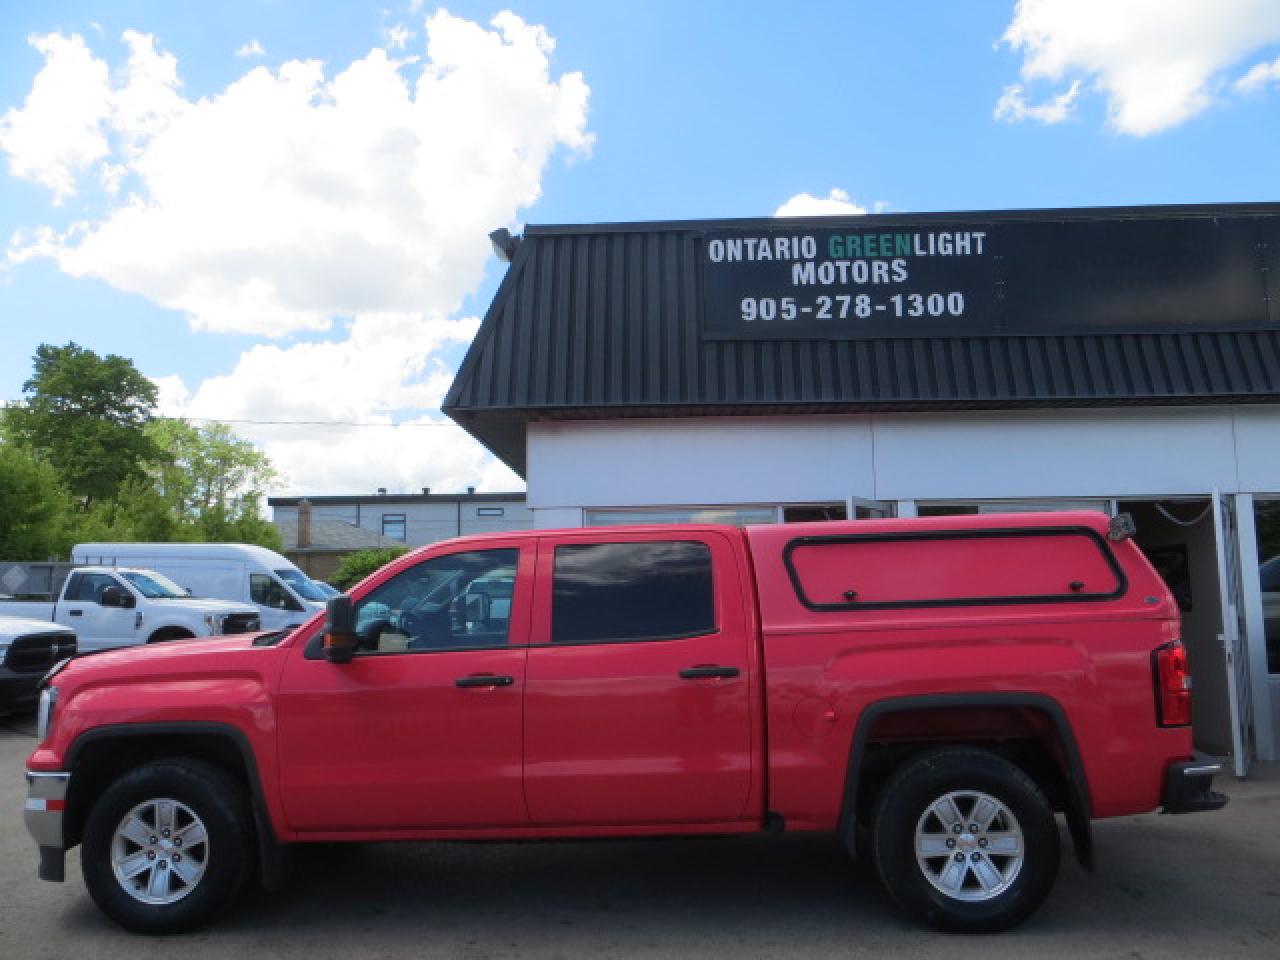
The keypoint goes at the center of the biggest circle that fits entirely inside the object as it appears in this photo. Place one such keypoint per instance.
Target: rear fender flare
(1078, 805)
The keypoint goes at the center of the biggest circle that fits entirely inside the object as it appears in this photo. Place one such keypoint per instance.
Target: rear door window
(953, 568)
(632, 591)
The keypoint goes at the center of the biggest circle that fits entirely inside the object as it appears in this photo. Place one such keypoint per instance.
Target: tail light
(1173, 685)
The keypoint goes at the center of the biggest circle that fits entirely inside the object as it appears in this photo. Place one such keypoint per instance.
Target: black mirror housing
(340, 630)
(118, 597)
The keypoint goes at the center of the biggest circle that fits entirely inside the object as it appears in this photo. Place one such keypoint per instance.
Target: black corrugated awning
(609, 321)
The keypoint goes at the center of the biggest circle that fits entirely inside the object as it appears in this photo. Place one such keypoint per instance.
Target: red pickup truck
(931, 691)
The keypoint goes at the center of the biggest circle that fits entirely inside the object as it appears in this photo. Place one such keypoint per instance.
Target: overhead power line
(308, 423)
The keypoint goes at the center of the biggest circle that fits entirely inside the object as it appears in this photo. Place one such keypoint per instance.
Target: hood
(13, 627)
(186, 656)
(201, 605)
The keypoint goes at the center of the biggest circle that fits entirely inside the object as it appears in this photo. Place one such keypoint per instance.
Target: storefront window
(738, 516)
(959, 508)
(1267, 523)
(813, 512)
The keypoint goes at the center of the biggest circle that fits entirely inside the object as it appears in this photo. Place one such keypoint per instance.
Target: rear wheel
(965, 840)
(167, 846)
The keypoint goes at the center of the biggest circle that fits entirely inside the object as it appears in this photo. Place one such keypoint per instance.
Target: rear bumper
(1187, 786)
(46, 801)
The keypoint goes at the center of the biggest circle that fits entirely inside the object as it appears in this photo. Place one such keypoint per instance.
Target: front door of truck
(97, 626)
(638, 687)
(422, 730)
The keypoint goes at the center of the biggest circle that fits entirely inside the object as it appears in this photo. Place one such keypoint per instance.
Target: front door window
(461, 601)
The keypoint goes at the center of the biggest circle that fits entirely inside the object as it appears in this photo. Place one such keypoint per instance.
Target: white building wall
(1258, 449)
(1150, 451)
(716, 460)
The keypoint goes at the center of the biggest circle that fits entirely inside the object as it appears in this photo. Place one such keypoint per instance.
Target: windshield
(327, 589)
(301, 585)
(154, 586)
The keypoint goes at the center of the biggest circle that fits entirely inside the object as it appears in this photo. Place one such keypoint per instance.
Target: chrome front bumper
(46, 801)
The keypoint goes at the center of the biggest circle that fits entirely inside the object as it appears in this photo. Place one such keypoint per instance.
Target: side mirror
(117, 597)
(340, 630)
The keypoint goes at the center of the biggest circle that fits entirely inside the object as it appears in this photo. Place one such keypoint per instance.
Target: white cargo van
(283, 594)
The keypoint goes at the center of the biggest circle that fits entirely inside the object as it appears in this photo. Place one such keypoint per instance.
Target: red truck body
(835, 652)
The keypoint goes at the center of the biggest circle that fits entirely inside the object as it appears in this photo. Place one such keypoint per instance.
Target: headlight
(214, 622)
(44, 713)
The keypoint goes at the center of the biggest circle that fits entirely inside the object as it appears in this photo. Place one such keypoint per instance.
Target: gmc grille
(241, 623)
(37, 653)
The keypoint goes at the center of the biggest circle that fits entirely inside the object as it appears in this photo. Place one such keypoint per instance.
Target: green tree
(212, 483)
(84, 414)
(137, 513)
(356, 566)
(33, 508)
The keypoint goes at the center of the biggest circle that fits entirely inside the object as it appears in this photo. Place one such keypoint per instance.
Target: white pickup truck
(28, 649)
(123, 606)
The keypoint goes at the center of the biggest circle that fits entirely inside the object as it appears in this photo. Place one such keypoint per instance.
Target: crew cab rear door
(638, 703)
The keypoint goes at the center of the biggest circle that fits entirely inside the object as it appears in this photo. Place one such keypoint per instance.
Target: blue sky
(682, 110)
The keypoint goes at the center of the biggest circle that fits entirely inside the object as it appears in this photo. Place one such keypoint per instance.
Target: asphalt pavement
(1197, 886)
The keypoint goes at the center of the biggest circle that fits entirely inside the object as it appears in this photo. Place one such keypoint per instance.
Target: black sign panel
(980, 279)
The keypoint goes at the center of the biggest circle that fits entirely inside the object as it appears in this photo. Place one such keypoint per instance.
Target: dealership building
(747, 371)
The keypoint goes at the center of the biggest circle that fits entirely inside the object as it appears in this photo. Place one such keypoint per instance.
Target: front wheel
(965, 841)
(166, 847)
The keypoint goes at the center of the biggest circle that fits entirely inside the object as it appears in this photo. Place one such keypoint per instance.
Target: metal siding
(606, 322)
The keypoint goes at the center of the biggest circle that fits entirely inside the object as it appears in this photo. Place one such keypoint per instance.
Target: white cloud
(1259, 77)
(1013, 105)
(1157, 62)
(58, 132)
(289, 198)
(397, 36)
(293, 199)
(251, 49)
(835, 203)
(355, 393)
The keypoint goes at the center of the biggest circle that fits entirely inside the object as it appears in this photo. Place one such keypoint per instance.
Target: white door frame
(1255, 647)
(1233, 639)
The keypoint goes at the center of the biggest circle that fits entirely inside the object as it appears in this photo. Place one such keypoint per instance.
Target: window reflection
(1267, 524)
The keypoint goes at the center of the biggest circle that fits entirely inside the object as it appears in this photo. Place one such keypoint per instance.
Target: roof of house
(334, 500)
(1103, 306)
(330, 535)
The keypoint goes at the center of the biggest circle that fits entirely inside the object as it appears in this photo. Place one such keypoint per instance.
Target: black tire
(1007, 890)
(222, 808)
